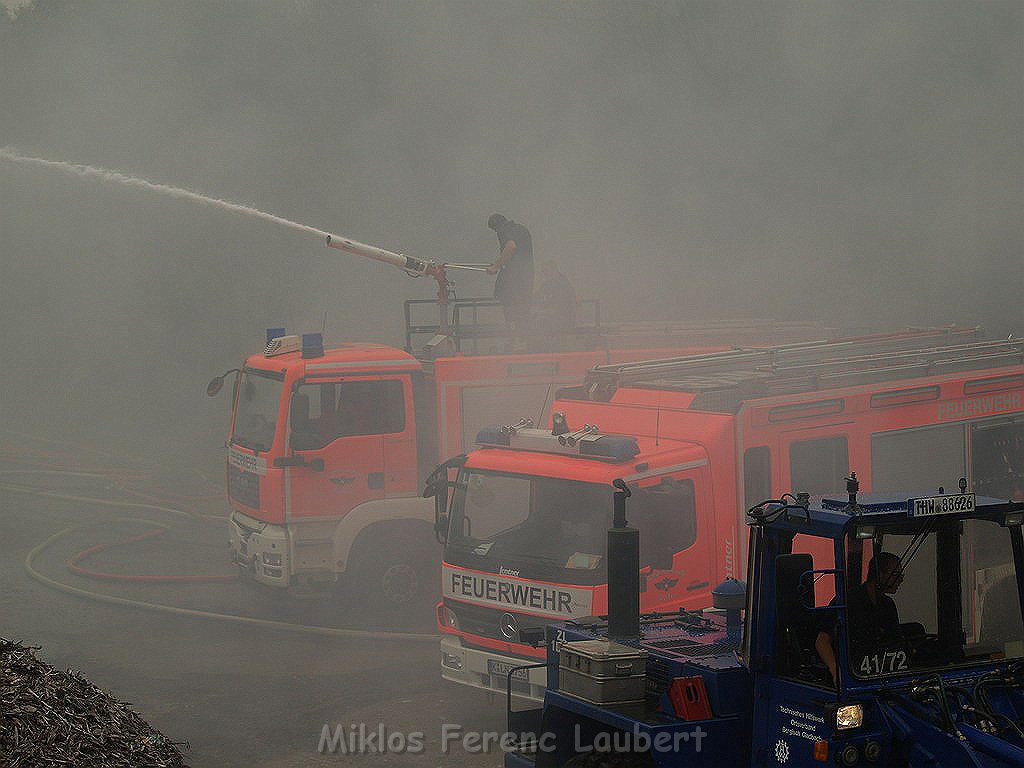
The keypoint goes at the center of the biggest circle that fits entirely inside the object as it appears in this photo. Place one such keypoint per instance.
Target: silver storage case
(602, 671)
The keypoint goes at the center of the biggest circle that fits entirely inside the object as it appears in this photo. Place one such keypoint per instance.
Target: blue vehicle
(794, 668)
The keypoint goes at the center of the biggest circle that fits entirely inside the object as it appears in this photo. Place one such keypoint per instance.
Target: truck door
(791, 710)
(352, 436)
(673, 514)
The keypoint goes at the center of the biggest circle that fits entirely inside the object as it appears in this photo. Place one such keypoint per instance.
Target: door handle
(341, 479)
(317, 465)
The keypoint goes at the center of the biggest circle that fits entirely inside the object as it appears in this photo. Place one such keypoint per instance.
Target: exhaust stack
(623, 571)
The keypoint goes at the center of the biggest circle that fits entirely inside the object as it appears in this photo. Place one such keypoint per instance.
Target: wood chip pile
(53, 718)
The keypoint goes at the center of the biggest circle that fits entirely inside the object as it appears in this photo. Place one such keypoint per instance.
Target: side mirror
(215, 384)
(441, 528)
(438, 485)
(437, 481)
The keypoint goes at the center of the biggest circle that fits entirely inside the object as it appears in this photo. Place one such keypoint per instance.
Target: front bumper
(260, 549)
(469, 666)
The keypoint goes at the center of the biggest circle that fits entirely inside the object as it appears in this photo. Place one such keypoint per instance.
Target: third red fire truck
(699, 439)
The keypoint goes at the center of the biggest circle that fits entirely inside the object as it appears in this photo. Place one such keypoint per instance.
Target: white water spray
(102, 174)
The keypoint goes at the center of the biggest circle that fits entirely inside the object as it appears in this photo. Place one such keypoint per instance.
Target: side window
(997, 459)
(819, 466)
(918, 459)
(997, 469)
(666, 516)
(757, 475)
(370, 408)
(322, 413)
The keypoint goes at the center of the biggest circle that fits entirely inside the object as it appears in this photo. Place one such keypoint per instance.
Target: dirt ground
(238, 694)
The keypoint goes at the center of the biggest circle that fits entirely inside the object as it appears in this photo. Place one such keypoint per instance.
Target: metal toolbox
(602, 671)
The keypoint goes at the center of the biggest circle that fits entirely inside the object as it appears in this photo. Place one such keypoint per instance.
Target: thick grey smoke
(858, 163)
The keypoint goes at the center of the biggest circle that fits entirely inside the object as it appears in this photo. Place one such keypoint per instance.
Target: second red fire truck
(699, 439)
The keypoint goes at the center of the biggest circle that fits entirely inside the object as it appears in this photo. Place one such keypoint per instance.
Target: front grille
(486, 622)
(243, 487)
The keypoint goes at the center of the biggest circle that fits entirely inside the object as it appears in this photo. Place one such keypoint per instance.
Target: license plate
(502, 668)
(942, 505)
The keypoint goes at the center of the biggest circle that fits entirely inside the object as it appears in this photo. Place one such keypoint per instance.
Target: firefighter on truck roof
(514, 268)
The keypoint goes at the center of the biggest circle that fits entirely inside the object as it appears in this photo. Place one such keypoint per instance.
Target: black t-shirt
(513, 230)
(873, 626)
(515, 280)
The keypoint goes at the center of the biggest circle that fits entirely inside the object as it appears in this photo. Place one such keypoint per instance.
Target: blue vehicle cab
(884, 630)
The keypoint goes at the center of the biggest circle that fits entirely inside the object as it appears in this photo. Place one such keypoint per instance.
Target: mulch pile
(53, 718)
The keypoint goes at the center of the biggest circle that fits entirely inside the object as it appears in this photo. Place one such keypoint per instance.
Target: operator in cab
(872, 618)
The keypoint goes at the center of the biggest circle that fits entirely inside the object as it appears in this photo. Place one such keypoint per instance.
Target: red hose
(74, 567)
(124, 480)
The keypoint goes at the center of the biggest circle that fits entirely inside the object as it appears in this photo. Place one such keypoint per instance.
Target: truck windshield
(943, 597)
(556, 529)
(258, 402)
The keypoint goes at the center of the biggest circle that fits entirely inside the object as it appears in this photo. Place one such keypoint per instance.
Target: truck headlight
(849, 716)
(446, 618)
(272, 558)
(450, 619)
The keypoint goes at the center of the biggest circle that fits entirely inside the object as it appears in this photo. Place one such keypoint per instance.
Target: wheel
(397, 579)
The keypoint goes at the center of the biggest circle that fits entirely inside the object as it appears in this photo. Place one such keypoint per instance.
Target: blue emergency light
(312, 345)
(611, 448)
(492, 436)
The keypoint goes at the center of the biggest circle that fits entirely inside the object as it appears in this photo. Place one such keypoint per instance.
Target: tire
(397, 579)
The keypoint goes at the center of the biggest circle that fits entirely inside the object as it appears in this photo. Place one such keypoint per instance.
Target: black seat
(796, 626)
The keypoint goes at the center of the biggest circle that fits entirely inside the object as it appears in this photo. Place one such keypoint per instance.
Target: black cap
(495, 221)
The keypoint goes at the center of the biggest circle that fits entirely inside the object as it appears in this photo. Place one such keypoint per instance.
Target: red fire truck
(699, 439)
(329, 447)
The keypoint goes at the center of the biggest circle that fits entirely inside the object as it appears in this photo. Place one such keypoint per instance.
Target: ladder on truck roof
(476, 327)
(723, 379)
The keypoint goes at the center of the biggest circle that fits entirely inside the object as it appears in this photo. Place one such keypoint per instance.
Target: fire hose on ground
(74, 563)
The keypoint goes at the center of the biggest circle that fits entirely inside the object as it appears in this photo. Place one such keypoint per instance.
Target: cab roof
(355, 356)
(663, 455)
(832, 516)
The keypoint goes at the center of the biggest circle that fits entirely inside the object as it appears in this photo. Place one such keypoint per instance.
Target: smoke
(858, 164)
